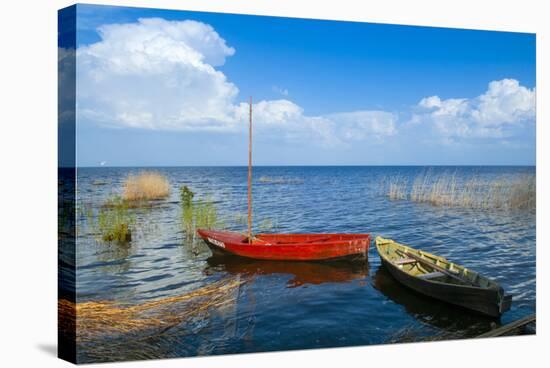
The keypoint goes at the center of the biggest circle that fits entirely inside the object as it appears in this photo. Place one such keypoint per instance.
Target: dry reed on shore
(516, 192)
(146, 185)
(109, 319)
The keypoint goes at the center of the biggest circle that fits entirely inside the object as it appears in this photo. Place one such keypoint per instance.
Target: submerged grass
(197, 214)
(147, 185)
(206, 214)
(110, 319)
(510, 192)
(114, 221)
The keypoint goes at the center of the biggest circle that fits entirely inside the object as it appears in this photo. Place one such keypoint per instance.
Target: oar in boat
(434, 266)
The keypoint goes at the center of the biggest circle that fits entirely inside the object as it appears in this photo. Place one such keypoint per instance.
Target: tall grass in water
(186, 200)
(397, 188)
(206, 214)
(197, 214)
(114, 221)
(146, 185)
(515, 192)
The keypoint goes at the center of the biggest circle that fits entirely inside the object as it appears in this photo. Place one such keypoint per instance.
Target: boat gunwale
(356, 237)
(243, 242)
(492, 284)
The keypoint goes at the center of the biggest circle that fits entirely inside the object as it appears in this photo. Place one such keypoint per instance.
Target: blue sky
(154, 88)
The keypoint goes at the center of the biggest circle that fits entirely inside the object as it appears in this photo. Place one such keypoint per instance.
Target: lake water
(284, 306)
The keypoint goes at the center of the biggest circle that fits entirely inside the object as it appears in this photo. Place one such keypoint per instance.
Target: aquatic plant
(240, 219)
(114, 221)
(146, 185)
(203, 214)
(197, 214)
(206, 214)
(397, 188)
(186, 199)
(186, 196)
(110, 319)
(506, 192)
(266, 225)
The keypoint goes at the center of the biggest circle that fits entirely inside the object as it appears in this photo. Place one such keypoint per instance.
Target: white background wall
(28, 184)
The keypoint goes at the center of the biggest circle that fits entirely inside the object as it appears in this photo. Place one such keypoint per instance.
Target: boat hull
(289, 247)
(489, 301)
(484, 301)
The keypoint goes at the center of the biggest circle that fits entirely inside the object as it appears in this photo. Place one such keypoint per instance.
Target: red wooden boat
(283, 247)
(288, 247)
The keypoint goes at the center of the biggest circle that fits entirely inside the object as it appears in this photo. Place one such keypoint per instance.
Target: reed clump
(147, 185)
(266, 225)
(506, 192)
(110, 319)
(397, 189)
(197, 214)
(114, 221)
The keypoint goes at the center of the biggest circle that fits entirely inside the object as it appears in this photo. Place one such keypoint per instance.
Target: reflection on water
(430, 311)
(295, 305)
(302, 273)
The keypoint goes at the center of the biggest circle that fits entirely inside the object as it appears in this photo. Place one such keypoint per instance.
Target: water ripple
(301, 306)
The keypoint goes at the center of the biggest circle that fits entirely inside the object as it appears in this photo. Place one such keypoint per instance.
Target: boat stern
(505, 303)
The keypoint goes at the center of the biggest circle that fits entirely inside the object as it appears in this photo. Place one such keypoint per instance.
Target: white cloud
(273, 112)
(505, 102)
(159, 74)
(429, 102)
(289, 120)
(156, 74)
(505, 105)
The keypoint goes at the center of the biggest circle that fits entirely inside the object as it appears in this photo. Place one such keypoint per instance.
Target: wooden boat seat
(431, 275)
(404, 261)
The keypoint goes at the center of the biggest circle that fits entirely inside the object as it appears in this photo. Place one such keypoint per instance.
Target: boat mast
(250, 174)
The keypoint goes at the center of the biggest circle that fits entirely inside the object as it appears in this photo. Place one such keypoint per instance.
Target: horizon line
(306, 165)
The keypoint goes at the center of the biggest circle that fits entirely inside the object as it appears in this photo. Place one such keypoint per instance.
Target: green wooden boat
(438, 278)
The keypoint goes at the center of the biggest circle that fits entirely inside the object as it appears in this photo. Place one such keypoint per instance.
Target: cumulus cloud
(289, 120)
(164, 75)
(504, 106)
(505, 102)
(159, 74)
(156, 74)
(284, 118)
